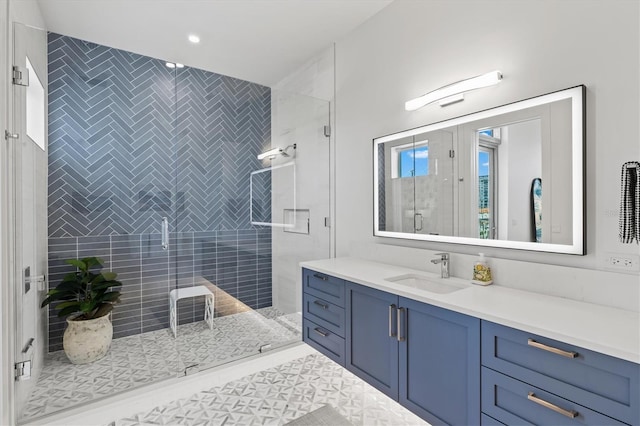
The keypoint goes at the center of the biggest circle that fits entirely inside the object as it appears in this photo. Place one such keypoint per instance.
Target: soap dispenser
(481, 271)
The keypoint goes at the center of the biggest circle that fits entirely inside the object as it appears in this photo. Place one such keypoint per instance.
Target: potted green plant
(86, 298)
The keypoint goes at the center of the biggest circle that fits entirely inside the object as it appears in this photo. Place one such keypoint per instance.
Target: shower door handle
(165, 233)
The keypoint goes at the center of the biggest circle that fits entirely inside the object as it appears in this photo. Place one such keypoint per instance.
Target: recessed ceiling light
(194, 39)
(179, 65)
(170, 65)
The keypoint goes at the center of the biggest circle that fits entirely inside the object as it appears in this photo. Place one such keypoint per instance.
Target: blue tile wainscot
(451, 368)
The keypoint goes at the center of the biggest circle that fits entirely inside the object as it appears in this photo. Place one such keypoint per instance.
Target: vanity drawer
(512, 402)
(602, 383)
(324, 313)
(324, 341)
(325, 286)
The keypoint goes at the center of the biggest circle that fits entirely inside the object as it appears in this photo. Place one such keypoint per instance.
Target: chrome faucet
(444, 264)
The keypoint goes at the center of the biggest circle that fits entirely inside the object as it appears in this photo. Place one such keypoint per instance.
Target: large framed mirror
(510, 177)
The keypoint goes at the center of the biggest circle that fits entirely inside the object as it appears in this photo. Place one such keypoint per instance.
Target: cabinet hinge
(20, 76)
(327, 131)
(452, 153)
(23, 370)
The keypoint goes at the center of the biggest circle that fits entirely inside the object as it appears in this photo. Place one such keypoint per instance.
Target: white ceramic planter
(87, 341)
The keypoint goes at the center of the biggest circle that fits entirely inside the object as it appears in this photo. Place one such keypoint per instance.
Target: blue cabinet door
(439, 364)
(372, 354)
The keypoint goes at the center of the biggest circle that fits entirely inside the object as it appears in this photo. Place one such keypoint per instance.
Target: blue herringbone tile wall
(132, 141)
(223, 124)
(112, 140)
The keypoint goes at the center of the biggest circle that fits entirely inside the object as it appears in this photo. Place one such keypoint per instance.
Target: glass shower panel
(303, 121)
(223, 124)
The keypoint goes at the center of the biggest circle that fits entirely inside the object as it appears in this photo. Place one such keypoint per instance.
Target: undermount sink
(421, 282)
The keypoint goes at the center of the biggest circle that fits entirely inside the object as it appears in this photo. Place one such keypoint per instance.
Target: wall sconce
(274, 152)
(454, 92)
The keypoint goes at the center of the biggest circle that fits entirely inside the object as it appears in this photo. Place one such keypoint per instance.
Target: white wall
(27, 12)
(541, 46)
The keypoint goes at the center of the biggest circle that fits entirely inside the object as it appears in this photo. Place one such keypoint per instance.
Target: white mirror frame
(578, 110)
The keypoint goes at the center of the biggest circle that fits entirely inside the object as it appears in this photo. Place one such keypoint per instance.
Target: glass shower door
(111, 166)
(28, 150)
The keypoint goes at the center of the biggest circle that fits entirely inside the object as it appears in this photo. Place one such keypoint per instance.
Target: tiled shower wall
(132, 141)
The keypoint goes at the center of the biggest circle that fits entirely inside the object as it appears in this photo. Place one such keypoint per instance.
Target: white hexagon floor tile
(141, 359)
(279, 395)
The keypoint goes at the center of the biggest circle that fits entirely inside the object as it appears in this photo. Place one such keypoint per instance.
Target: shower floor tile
(279, 395)
(145, 358)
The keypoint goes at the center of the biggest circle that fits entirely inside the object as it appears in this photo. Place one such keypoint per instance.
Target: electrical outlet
(622, 262)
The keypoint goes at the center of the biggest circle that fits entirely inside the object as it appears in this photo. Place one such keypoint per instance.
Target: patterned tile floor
(279, 395)
(146, 358)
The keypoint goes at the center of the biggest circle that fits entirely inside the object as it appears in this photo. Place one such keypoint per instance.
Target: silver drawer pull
(322, 305)
(321, 277)
(321, 332)
(551, 349)
(392, 309)
(569, 413)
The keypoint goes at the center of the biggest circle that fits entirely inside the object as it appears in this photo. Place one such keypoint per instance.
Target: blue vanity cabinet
(323, 314)
(425, 357)
(450, 368)
(439, 364)
(372, 348)
(528, 378)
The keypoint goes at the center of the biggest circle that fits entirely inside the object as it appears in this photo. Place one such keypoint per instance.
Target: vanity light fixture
(454, 92)
(170, 64)
(194, 39)
(274, 152)
(179, 65)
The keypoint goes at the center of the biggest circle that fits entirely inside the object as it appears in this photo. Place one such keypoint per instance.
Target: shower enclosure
(152, 167)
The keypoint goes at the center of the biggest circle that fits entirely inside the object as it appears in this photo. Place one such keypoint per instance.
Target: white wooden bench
(185, 293)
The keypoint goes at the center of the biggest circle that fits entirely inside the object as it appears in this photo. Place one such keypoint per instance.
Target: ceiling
(256, 40)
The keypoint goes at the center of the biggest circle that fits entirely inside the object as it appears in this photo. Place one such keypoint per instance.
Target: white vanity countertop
(608, 330)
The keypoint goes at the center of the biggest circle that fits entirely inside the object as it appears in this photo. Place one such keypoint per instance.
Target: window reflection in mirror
(487, 219)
